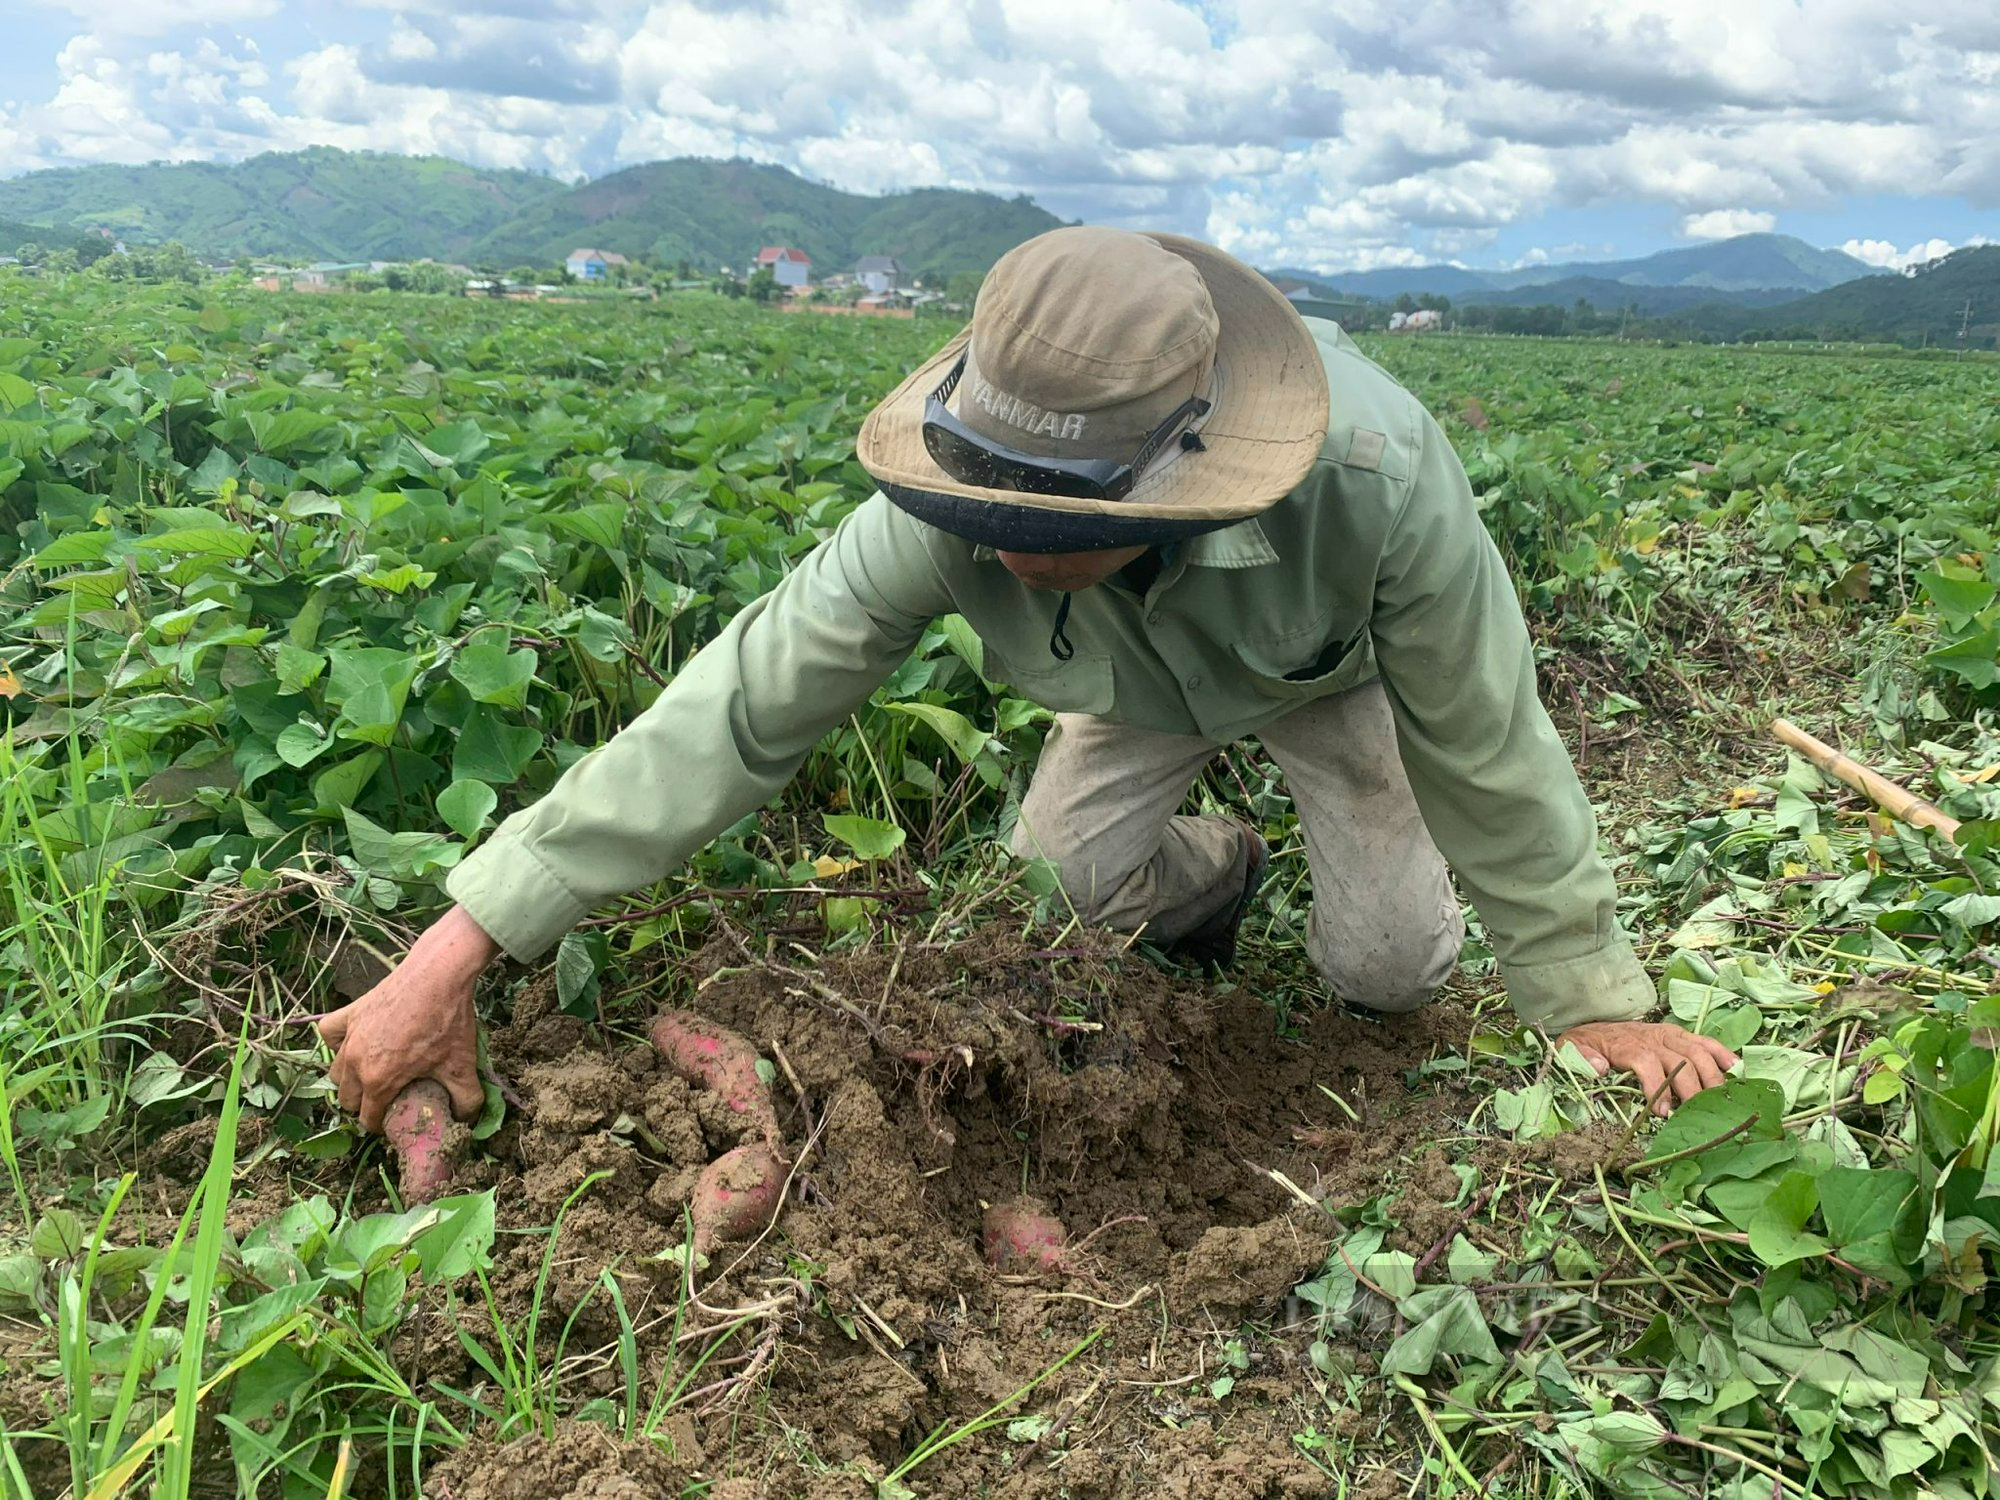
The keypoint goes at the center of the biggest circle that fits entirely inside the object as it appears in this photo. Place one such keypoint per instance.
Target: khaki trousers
(1103, 805)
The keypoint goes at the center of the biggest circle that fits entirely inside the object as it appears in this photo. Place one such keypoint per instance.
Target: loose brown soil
(1190, 1150)
(916, 1086)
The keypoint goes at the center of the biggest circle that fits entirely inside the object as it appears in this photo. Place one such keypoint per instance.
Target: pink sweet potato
(736, 1196)
(716, 1058)
(1022, 1235)
(420, 1130)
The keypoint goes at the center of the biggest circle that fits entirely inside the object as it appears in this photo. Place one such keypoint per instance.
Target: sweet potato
(716, 1058)
(1022, 1235)
(419, 1128)
(736, 1195)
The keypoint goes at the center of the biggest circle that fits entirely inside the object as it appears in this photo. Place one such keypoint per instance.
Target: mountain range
(317, 204)
(1748, 270)
(717, 213)
(333, 205)
(1932, 305)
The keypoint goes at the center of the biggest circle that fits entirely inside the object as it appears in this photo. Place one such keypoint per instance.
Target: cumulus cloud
(506, 56)
(1884, 253)
(112, 105)
(1373, 133)
(338, 104)
(1727, 223)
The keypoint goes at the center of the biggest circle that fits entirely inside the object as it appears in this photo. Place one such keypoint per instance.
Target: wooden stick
(1895, 800)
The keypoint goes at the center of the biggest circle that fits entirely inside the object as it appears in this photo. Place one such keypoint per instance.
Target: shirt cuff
(1607, 985)
(515, 897)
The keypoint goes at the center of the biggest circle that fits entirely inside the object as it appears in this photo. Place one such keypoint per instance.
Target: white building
(791, 267)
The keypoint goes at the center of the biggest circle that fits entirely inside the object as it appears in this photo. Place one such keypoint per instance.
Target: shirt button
(1153, 618)
(1193, 683)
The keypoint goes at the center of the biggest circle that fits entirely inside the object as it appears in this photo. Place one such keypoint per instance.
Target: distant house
(1424, 320)
(791, 267)
(881, 273)
(593, 265)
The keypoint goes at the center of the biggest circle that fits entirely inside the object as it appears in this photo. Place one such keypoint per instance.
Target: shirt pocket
(1081, 685)
(1298, 668)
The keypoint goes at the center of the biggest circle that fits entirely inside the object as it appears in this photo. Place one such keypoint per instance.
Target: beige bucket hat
(1112, 389)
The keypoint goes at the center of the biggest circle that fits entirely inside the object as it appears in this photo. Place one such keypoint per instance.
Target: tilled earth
(917, 1085)
(1191, 1150)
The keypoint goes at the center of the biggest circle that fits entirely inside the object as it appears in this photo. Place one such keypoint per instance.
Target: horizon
(1461, 134)
(888, 192)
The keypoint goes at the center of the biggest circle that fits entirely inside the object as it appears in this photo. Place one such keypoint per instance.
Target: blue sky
(1363, 134)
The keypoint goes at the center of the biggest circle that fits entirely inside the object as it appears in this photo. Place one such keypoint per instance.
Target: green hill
(1611, 296)
(318, 204)
(327, 204)
(14, 234)
(718, 213)
(1928, 306)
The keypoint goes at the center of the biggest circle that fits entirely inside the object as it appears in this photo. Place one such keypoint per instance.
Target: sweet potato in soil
(739, 1192)
(1161, 1114)
(736, 1195)
(426, 1139)
(718, 1059)
(1022, 1235)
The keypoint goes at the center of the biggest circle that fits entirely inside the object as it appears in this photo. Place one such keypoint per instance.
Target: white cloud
(1376, 132)
(1727, 223)
(408, 43)
(339, 105)
(1884, 253)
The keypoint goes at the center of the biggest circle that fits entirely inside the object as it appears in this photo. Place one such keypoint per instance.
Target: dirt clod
(1252, 1266)
(582, 1461)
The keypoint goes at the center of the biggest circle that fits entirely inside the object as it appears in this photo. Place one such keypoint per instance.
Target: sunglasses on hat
(972, 458)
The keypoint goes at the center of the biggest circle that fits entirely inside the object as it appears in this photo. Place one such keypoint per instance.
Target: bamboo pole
(1898, 802)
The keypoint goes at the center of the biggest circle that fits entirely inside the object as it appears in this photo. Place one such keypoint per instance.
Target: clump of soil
(581, 1461)
(1179, 1139)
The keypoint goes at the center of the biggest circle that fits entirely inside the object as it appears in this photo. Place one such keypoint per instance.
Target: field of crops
(300, 596)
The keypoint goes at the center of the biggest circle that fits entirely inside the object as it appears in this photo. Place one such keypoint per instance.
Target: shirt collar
(1243, 545)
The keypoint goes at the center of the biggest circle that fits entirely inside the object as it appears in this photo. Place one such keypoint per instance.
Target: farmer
(1177, 514)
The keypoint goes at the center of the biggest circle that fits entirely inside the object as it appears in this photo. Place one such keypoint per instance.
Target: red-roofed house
(791, 267)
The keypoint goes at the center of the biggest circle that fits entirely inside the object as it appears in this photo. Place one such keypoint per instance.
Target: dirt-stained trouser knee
(1385, 929)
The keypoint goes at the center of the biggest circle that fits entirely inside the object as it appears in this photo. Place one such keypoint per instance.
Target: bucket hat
(1113, 388)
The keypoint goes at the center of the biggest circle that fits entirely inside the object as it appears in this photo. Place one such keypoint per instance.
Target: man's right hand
(417, 1023)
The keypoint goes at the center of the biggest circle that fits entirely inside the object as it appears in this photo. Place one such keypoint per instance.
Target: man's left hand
(1671, 1064)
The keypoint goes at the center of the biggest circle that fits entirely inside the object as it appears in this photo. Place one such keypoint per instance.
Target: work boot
(1213, 944)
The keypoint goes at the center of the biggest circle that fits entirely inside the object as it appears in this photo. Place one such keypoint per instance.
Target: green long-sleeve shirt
(1376, 565)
